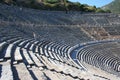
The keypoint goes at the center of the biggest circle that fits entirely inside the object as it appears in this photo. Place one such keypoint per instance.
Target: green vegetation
(113, 6)
(59, 5)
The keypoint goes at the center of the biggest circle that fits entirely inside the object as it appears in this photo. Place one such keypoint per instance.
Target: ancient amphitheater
(52, 45)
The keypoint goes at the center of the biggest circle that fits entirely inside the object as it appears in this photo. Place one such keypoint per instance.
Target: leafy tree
(99, 10)
(92, 8)
(63, 5)
(108, 11)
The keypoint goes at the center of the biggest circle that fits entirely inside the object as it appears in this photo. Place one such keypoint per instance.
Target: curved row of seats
(14, 13)
(25, 58)
(58, 52)
(101, 56)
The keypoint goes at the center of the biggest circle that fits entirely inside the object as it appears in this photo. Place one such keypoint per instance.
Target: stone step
(27, 46)
(17, 41)
(51, 55)
(57, 64)
(32, 47)
(36, 49)
(6, 71)
(39, 75)
(59, 57)
(13, 40)
(23, 43)
(36, 60)
(8, 51)
(27, 57)
(2, 47)
(51, 75)
(46, 53)
(55, 55)
(47, 63)
(17, 55)
(41, 50)
(10, 48)
(23, 72)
